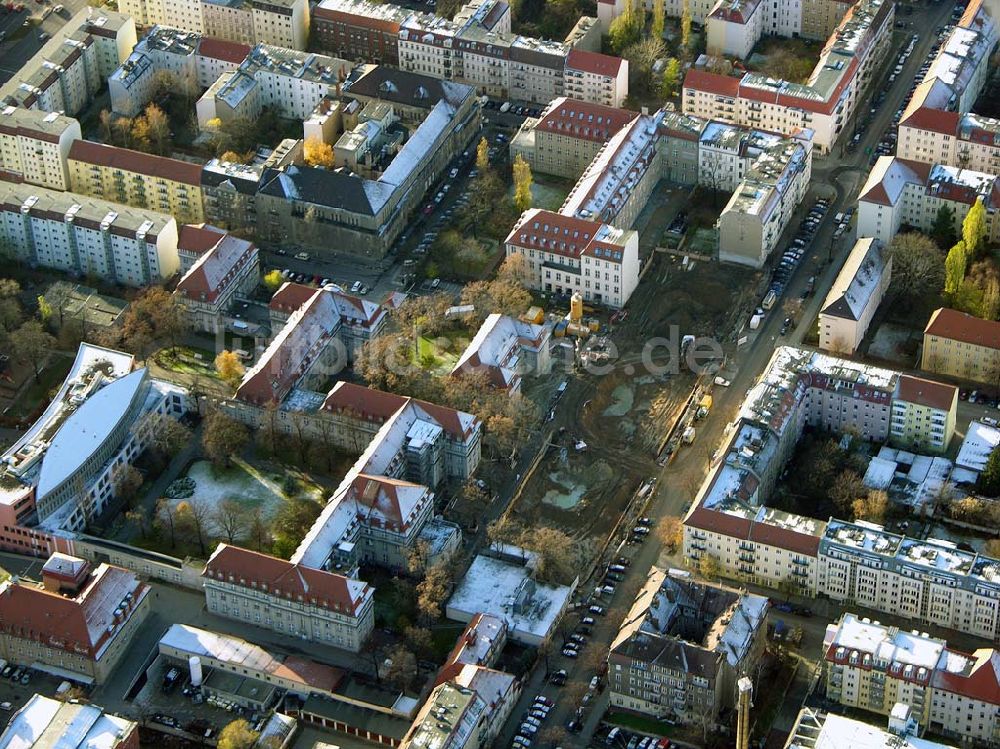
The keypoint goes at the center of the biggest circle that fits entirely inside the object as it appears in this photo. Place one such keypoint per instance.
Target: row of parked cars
(799, 245)
(18, 674)
(532, 720)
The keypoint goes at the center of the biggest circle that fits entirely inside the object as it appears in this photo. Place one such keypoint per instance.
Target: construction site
(618, 419)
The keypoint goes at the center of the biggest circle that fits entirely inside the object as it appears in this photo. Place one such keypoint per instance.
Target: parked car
(597, 610)
(570, 653)
(559, 677)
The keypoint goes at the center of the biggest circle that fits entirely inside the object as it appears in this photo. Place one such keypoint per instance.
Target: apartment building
(229, 191)
(359, 30)
(280, 23)
(762, 205)
(137, 179)
(476, 48)
(856, 293)
(593, 77)
(824, 104)
(682, 647)
(959, 345)
(291, 82)
(930, 581)
(79, 620)
(43, 721)
(453, 716)
(191, 60)
(310, 604)
(730, 520)
(745, 23)
(963, 62)
(735, 26)
(333, 211)
(873, 667)
(77, 234)
(567, 136)
(229, 269)
(923, 415)
(965, 696)
(505, 349)
(34, 146)
(937, 136)
(71, 67)
(854, 563)
(900, 192)
(568, 255)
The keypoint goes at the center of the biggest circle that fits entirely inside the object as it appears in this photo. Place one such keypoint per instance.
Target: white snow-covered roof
(738, 636)
(87, 429)
(880, 473)
(497, 346)
(855, 286)
(883, 644)
(492, 586)
(815, 730)
(45, 722)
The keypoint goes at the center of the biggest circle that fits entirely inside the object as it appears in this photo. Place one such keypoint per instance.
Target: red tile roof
(926, 392)
(80, 624)
(378, 406)
(135, 161)
(935, 120)
(381, 502)
(594, 62)
(290, 296)
(713, 83)
(553, 232)
(221, 49)
(958, 326)
(216, 269)
(198, 238)
(314, 674)
(981, 683)
(280, 578)
(583, 120)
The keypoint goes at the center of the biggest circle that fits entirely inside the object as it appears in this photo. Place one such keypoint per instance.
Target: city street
(838, 177)
(17, 51)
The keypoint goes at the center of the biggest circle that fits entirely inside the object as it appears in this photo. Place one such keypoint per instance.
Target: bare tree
(166, 515)
(195, 514)
(231, 518)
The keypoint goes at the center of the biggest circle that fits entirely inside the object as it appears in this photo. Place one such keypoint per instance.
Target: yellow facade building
(137, 179)
(962, 346)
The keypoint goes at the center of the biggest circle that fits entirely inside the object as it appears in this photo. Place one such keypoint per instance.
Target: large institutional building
(64, 470)
(311, 604)
(80, 620)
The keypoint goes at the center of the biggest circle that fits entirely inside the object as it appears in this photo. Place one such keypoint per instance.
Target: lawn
(641, 723)
(789, 59)
(439, 355)
(187, 360)
(246, 484)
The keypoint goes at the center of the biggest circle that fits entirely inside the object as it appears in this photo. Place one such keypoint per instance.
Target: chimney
(745, 687)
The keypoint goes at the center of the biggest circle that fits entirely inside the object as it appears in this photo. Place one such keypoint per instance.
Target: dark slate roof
(318, 186)
(402, 87)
